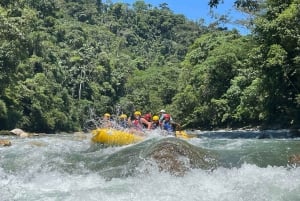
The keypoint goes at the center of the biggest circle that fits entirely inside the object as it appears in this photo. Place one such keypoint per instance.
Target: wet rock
(294, 160)
(178, 156)
(171, 155)
(23, 135)
(5, 142)
(19, 132)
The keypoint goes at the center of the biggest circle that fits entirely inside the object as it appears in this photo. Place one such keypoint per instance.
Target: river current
(66, 167)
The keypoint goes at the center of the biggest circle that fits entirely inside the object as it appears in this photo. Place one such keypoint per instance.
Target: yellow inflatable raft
(184, 135)
(110, 136)
(115, 137)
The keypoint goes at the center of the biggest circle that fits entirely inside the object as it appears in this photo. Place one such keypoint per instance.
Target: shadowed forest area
(62, 61)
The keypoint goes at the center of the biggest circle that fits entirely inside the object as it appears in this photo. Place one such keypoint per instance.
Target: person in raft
(167, 124)
(155, 122)
(106, 121)
(162, 115)
(138, 122)
(123, 121)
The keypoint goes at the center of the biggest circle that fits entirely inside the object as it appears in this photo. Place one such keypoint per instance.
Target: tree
(209, 70)
(251, 5)
(277, 31)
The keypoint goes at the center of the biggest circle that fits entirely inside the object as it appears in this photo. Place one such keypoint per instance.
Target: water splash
(58, 167)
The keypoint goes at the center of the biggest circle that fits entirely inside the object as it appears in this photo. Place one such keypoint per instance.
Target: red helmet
(147, 117)
(167, 116)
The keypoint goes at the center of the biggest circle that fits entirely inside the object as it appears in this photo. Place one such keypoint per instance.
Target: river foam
(56, 168)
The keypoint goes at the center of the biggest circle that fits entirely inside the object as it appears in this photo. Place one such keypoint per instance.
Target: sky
(199, 9)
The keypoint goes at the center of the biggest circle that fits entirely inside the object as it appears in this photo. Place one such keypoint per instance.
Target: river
(64, 167)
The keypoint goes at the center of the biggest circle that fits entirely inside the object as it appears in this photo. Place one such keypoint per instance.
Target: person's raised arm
(144, 121)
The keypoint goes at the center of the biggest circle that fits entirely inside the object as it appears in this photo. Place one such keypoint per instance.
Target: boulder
(19, 132)
(178, 156)
(294, 159)
(169, 154)
(5, 142)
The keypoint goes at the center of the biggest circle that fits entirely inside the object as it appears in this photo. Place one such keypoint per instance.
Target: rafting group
(124, 130)
(139, 123)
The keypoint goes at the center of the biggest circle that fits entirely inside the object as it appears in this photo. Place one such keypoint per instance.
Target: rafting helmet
(155, 118)
(167, 116)
(137, 113)
(107, 115)
(123, 116)
(147, 117)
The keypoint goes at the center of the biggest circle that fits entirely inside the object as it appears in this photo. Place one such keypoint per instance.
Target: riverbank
(248, 133)
(219, 133)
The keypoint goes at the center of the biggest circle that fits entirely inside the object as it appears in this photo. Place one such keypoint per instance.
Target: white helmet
(163, 111)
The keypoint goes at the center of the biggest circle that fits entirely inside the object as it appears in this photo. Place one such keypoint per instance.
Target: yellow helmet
(107, 115)
(155, 118)
(123, 116)
(137, 113)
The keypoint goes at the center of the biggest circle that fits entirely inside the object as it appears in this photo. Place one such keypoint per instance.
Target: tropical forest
(64, 61)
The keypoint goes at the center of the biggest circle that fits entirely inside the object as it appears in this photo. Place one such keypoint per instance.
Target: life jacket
(137, 124)
(168, 126)
(123, 124)
(167, 123)
(155, 125)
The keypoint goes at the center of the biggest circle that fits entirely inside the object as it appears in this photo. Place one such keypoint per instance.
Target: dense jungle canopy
(63, 60)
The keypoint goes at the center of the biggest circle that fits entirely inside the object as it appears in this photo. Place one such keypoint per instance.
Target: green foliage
(247, 5)
(60, 61)
(278, 31)
(212, 77)
(3, 110)
(152, 89)
(249, 108)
